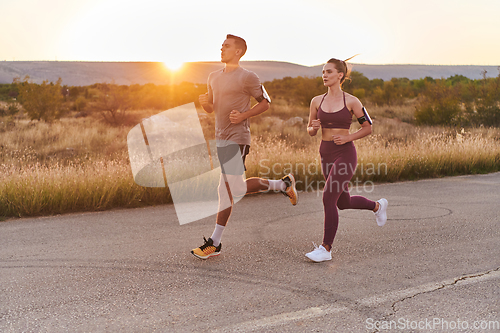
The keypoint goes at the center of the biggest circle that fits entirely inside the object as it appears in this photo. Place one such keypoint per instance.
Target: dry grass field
(81, 164)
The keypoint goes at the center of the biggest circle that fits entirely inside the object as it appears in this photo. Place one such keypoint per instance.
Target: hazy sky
(307, 32)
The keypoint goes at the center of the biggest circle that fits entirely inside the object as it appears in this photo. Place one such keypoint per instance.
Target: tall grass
(82, 164)
(415, 154)
(55, 189)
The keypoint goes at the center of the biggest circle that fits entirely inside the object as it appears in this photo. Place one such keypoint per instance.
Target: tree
(357, 81)
(112, 102)
(488, 101)
(41, 101)
(387, 94)
(457, 79)
(439, 105)
(306, 88)
(80, 104)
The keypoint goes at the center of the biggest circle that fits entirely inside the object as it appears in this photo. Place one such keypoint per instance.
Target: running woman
(229, 93)
(332, 112)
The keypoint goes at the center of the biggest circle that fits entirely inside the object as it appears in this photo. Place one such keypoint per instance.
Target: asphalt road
(435, 266)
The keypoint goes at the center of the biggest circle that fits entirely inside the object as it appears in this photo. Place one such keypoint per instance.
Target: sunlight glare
(174, 65)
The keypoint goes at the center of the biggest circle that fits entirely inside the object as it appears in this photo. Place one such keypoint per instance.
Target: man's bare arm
(205, 104)
(237, 117)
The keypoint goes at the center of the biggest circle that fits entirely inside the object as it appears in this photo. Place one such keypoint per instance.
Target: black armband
(365, 117)
(264, 96)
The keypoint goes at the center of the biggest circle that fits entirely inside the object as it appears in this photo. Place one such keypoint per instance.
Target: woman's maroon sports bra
(338, 119)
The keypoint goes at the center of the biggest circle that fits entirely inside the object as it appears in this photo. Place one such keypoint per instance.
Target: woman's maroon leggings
(338, 163)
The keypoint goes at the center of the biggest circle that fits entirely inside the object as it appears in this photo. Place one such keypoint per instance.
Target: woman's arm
(314, 124)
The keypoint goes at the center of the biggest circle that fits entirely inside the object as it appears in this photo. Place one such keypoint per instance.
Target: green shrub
(359, 93)
(41, 101)
(440, 105)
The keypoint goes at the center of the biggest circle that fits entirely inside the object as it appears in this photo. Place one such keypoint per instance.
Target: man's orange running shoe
(207, 250)
(291, 191)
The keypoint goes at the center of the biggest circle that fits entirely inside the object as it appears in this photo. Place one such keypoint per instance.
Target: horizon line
(243, 61)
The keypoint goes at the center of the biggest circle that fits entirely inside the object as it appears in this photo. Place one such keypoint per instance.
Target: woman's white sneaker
(319, 254)
(381, 213)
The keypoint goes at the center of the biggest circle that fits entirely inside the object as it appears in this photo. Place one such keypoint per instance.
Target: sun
(173, 65)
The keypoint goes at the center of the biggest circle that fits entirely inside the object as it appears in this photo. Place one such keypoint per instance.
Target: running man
(229, 92)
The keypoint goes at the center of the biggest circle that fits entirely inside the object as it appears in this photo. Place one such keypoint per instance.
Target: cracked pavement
(437, 258)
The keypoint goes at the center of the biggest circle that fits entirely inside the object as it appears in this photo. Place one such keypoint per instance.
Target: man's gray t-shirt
(228, 92)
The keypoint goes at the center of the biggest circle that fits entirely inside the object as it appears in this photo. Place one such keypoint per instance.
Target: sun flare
(173, 65)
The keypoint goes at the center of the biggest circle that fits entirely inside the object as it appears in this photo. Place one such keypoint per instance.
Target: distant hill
(127, 73)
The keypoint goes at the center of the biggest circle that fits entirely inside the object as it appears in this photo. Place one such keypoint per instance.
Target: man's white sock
(277, 185)
(217, 235)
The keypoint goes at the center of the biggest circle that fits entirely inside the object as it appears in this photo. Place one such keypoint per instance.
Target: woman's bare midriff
(328, 133)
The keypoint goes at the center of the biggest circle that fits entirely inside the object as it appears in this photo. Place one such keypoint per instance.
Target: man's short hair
(239, 42)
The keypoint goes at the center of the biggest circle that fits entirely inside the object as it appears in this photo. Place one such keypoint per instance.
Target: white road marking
(394, 296)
